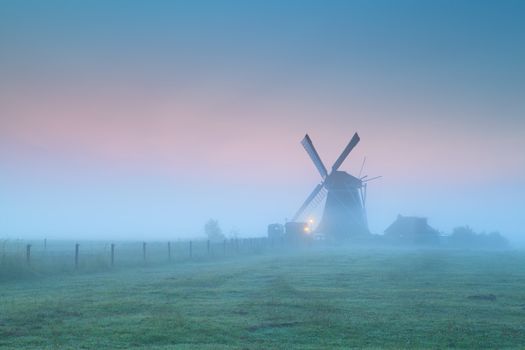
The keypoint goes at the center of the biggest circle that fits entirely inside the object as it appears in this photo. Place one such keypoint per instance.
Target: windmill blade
(310, 149)
(362, 166)
(308, 200)
(353, 142)
(364, 195)
(372, 179)
(315, 202)
(364, 206)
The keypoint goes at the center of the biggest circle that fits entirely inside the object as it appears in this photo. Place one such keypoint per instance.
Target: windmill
(344, 213)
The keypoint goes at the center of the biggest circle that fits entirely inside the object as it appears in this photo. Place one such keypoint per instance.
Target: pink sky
(120, 119)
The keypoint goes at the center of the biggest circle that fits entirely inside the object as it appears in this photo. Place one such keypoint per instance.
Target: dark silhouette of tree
(465, 236)
(213, 230)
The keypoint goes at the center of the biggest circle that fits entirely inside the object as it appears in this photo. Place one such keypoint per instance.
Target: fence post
(112, 254)
(208, 246)
(191, 252)
(28, 253)
(144, 251)
(45, 243)
(76, 255)
(169, 251)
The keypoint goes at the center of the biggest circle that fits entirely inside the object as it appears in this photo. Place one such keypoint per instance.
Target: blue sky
(141, 119)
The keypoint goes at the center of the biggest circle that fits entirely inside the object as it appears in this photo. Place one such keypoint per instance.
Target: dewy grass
(333, 298)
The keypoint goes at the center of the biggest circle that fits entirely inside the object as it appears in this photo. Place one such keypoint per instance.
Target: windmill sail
(308, 200)
(344, 213)
(353, 142)
(310, 149)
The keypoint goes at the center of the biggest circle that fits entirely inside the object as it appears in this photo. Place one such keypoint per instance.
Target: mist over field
(277, 174)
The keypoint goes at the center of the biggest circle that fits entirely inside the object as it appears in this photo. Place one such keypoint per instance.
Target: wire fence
(19, 258)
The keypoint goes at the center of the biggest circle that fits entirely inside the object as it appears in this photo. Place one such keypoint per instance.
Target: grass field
(331, 299)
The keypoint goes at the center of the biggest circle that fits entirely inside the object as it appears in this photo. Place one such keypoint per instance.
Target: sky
(143, 119)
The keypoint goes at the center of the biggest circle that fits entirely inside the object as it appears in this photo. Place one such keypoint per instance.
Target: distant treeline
(461, 237)
(466, 237)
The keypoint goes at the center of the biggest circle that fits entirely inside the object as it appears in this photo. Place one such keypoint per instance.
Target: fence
(41, 256)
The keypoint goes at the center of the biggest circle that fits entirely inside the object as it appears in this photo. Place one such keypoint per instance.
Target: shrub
(213, 230)
(465, 236)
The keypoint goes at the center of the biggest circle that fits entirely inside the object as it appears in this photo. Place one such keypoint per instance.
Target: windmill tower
(344, 213)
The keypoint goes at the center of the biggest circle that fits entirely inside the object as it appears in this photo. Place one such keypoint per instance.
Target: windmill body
(344, 214)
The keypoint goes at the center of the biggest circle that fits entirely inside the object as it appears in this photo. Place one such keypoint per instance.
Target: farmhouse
(412, 230)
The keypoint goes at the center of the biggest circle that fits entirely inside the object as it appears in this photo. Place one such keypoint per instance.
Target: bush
(465, 236)
(213, 230)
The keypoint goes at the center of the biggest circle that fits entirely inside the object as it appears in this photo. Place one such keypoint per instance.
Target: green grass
(58, 256)
(370, 298)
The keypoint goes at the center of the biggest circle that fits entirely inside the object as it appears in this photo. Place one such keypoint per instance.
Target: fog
(146, 147)
(123, 208)
(180, 115)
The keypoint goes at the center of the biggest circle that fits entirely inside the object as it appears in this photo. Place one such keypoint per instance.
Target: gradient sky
(142, 119)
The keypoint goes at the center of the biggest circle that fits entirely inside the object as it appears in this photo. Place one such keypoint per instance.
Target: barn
(411, 230)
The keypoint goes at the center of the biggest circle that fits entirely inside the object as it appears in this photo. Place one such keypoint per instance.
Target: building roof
(409, 226)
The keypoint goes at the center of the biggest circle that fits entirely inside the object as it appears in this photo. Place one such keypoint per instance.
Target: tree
(495, 239)
(213, 230)
(465, 236)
